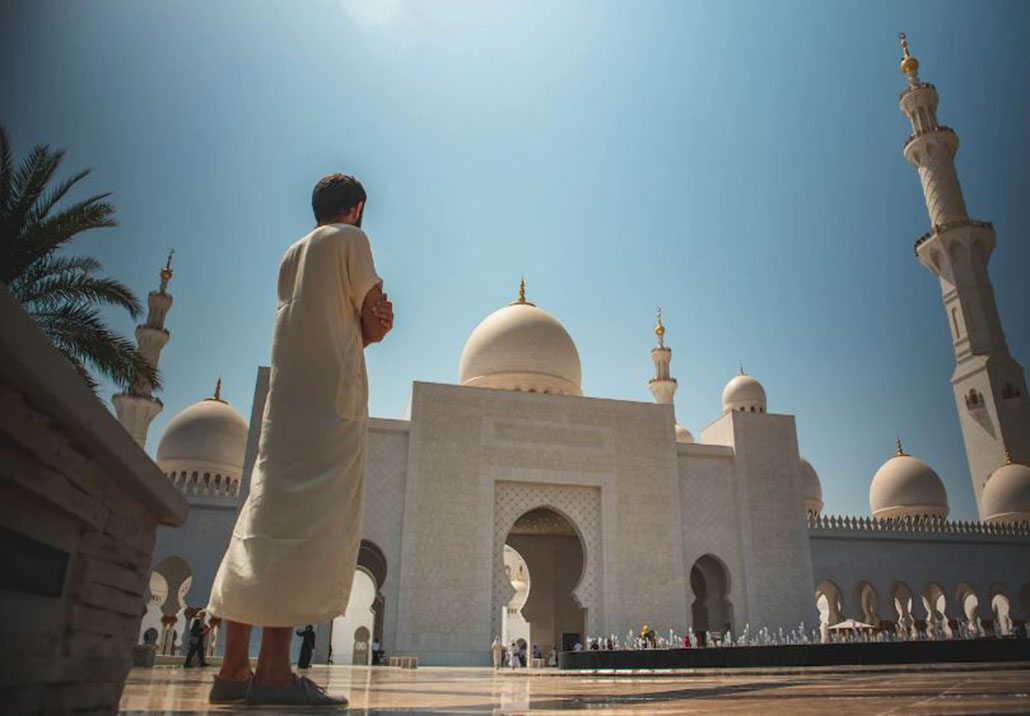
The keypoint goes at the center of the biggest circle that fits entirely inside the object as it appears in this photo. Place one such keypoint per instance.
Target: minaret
(989, 386)
(663, 386)
(138, 407)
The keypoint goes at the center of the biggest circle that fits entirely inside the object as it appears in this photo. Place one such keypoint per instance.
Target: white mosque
(511, 504)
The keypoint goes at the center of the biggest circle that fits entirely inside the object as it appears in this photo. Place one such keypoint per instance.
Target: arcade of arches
(933, 608)
(547, 545)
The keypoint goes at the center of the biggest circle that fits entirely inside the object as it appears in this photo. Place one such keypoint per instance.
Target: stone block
(140, 535)
(114, 551)
(34, 432)
(21, 670)
(51, 485)
(100, 621)
(100, 571)
(111, 599)
(27, 699)
(106, 669)
(89, 644)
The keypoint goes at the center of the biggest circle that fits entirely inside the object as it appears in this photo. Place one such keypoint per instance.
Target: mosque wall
(200, 542)
(988, 564)
(611, 458)
(773, 532)
(386, 470)
(711, 525)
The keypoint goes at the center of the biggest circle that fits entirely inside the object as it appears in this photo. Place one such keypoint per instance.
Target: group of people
(516, 654)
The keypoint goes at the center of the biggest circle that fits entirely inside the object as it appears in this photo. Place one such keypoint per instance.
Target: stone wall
(79, 506)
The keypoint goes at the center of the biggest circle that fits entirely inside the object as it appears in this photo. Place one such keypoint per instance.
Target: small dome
(521, 347)
(905, 486)
(811, 488)
(743, 393)
(1006, 496)
(683, 435)
(209, 436)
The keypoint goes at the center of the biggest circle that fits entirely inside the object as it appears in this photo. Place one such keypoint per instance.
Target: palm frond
(42, 239)
(80, 333)
(77, 288)
(39, 210)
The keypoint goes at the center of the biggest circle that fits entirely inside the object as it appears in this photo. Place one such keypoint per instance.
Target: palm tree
(63, 294)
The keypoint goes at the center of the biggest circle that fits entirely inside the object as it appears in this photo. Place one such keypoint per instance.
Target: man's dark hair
(334, 195)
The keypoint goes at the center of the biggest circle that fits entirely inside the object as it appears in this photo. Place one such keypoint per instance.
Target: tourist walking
(496, 651)
(306, 647)
(513, 655)
(196, 638)
(293, 551)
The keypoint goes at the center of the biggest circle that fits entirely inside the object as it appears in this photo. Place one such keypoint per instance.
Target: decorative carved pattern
(582, 507)
(542, 522)
(923, 525)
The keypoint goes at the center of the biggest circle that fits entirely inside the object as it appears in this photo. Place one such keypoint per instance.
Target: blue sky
(738, 164)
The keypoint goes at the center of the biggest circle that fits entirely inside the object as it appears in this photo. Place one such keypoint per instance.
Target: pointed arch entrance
(580, 507)
(552, 552)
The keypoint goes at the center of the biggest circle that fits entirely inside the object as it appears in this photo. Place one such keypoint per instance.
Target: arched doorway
(968, 603)
(711, 609)
(552, 551)
(361, 649)
(830, 603)
(373, 560)
(901, 595)
(359, 615)
(868, 603)
(1002, 610)
(935, 603)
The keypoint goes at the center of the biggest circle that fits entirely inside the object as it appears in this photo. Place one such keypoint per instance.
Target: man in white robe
(293, 552)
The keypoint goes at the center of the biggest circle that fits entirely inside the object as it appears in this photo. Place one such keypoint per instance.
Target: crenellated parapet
(917, 525)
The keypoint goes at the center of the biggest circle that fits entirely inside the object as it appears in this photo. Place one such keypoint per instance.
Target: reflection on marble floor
(977, 689)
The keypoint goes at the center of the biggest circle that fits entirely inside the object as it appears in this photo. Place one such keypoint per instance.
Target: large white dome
(1006, 496)
(905, 486)
(521, 347)
(811, 488)
(207, 437)
(743, 393)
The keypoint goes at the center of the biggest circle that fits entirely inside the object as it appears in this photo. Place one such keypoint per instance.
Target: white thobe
(292, 554)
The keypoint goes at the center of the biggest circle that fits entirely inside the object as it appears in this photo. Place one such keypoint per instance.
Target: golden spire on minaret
(166, 272)
(659, 329)
(909, 64)
(900, 452)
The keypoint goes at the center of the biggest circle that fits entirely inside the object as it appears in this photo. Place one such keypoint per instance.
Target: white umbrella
(850, 625)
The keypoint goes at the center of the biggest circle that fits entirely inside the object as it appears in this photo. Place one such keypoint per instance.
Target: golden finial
(521, 300)
(166, 272)
(659, 329)
(897, 440)
(909, 64)
(218, 392)
(742, 369)
(1008, 456)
